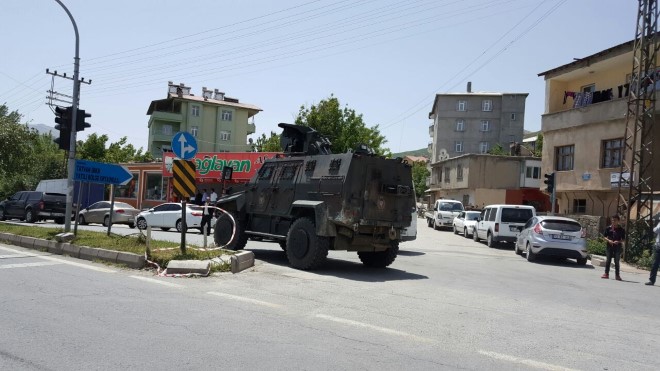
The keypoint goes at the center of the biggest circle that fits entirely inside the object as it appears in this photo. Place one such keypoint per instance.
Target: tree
(538, 149)
(94, 149)
(270, 144)
(419, 174)
(343, 126)
(498, 150)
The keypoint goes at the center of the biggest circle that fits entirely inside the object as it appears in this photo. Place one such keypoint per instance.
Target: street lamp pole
(74, 114)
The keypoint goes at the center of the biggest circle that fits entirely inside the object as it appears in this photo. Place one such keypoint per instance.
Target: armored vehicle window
(266, 172)
(289, 171)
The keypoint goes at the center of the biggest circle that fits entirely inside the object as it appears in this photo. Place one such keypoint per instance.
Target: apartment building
(478, 180)
(218, 122)
(583, 130)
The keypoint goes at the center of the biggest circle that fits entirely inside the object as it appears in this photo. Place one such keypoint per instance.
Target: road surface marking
(153, 280)
(523, 361)
(244, 299)
(27, 265)
(16, 256)
(372, 327)
(60, 260)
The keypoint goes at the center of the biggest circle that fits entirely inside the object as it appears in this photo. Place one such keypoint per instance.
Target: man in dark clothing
(206, 219)
(656, 259)
(198, 198)
(615, 236)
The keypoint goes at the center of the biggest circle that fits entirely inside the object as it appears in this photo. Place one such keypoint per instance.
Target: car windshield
(451, 206)
(472, 216)
(561, 225)
(511, 215)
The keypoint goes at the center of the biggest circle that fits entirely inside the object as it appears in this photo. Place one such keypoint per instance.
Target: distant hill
(417, 152)
(41, 128)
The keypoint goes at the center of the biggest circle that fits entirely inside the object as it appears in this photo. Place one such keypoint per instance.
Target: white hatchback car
(168, 215)
(553, 236)
(465, 222)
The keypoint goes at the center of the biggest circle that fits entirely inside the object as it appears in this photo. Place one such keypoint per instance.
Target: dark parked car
(33, 206)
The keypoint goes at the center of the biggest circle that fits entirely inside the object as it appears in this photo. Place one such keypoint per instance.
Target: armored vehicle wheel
(222, 232)
(304, 249)
(379, 259)
(283, 245)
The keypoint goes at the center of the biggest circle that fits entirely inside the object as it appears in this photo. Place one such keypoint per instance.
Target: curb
(131, 260)
(241, 261)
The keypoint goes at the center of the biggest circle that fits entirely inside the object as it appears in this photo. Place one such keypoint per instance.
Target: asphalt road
(446, 303)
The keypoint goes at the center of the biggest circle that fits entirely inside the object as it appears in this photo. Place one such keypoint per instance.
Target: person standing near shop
(656, 259)
(206, 219)
(615, 236)
(214, 197)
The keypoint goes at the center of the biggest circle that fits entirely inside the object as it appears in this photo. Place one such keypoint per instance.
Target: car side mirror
(479, 219)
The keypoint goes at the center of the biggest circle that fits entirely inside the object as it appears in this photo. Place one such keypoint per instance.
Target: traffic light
(81, 115)
(63, 125)
(550, 182)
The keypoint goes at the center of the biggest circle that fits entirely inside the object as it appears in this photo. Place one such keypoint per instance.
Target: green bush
(645, 260)
(597, 246)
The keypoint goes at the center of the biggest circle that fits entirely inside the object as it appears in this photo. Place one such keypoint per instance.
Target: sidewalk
(599, 261)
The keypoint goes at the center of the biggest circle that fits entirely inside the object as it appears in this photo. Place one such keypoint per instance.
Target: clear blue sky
(386, 59)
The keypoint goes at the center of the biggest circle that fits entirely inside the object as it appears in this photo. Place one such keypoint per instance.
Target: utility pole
(74, 113)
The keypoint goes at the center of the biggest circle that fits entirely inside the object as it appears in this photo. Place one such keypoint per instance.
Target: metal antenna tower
(636, 175)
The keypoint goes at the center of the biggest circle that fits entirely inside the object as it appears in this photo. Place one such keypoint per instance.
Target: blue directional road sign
(100, 172)
(184, 145)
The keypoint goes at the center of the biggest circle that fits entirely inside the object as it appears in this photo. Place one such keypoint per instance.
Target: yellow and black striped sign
(184, 178)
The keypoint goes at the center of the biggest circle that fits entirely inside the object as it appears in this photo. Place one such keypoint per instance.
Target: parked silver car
(99, 212)
(552, 236)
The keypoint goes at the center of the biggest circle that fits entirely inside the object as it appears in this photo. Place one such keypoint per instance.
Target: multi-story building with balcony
(583, 130)
(219, 123)
(478, 180)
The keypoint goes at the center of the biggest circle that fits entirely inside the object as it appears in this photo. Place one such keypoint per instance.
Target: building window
(194, 130)
(460, 125)
(226, 115)
(195, 111)
(564, 158)
(461, 106)
(580, 206)
(513, 117)
(588, 88)
(225, 135)
(459, 172)
(166, 129)
(611, 153)
(446, 174)
(487, 105)
(154, 186)
(485, 125)
(458, 147)
(533, 172)
(129, 190)
(483, 147)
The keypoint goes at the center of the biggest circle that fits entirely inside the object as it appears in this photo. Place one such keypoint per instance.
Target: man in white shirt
(214, 197)
(656, 259)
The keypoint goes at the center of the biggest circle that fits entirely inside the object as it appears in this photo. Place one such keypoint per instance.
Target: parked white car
(502, 223)
(465, 222)
(168, 215)
(553, 236)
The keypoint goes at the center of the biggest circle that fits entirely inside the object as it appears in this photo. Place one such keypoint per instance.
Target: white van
(502, 223)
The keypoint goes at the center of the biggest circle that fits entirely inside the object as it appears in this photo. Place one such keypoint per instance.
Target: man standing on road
(656, 259)
(615, 236)
(206, 219)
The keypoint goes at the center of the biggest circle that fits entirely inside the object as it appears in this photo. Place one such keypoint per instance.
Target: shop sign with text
(210, 164)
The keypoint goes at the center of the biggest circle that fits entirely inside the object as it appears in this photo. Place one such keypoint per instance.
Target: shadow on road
(410, 253)
(341, 268)
(569, 263)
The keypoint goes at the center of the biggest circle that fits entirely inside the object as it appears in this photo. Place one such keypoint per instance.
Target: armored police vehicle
(311, 201)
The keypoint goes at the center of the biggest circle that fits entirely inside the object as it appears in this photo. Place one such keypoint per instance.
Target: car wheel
(529, 253)
(81, 220)
(59, 220)
(379, 259)
(2, 214)
(455, 230)
(489, 240)
(582, 261)
(305, 249)
(141, 224)
(516, 249)
(465, 234)
(29, 216)
(165, 229)
(435, 225)
(179, 226)
(475, 235)
(429, 223)
(131, 226)
(106, 221)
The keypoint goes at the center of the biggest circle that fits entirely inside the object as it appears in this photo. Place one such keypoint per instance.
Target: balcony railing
(166, 116)
(251, 129)
(430, 148)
